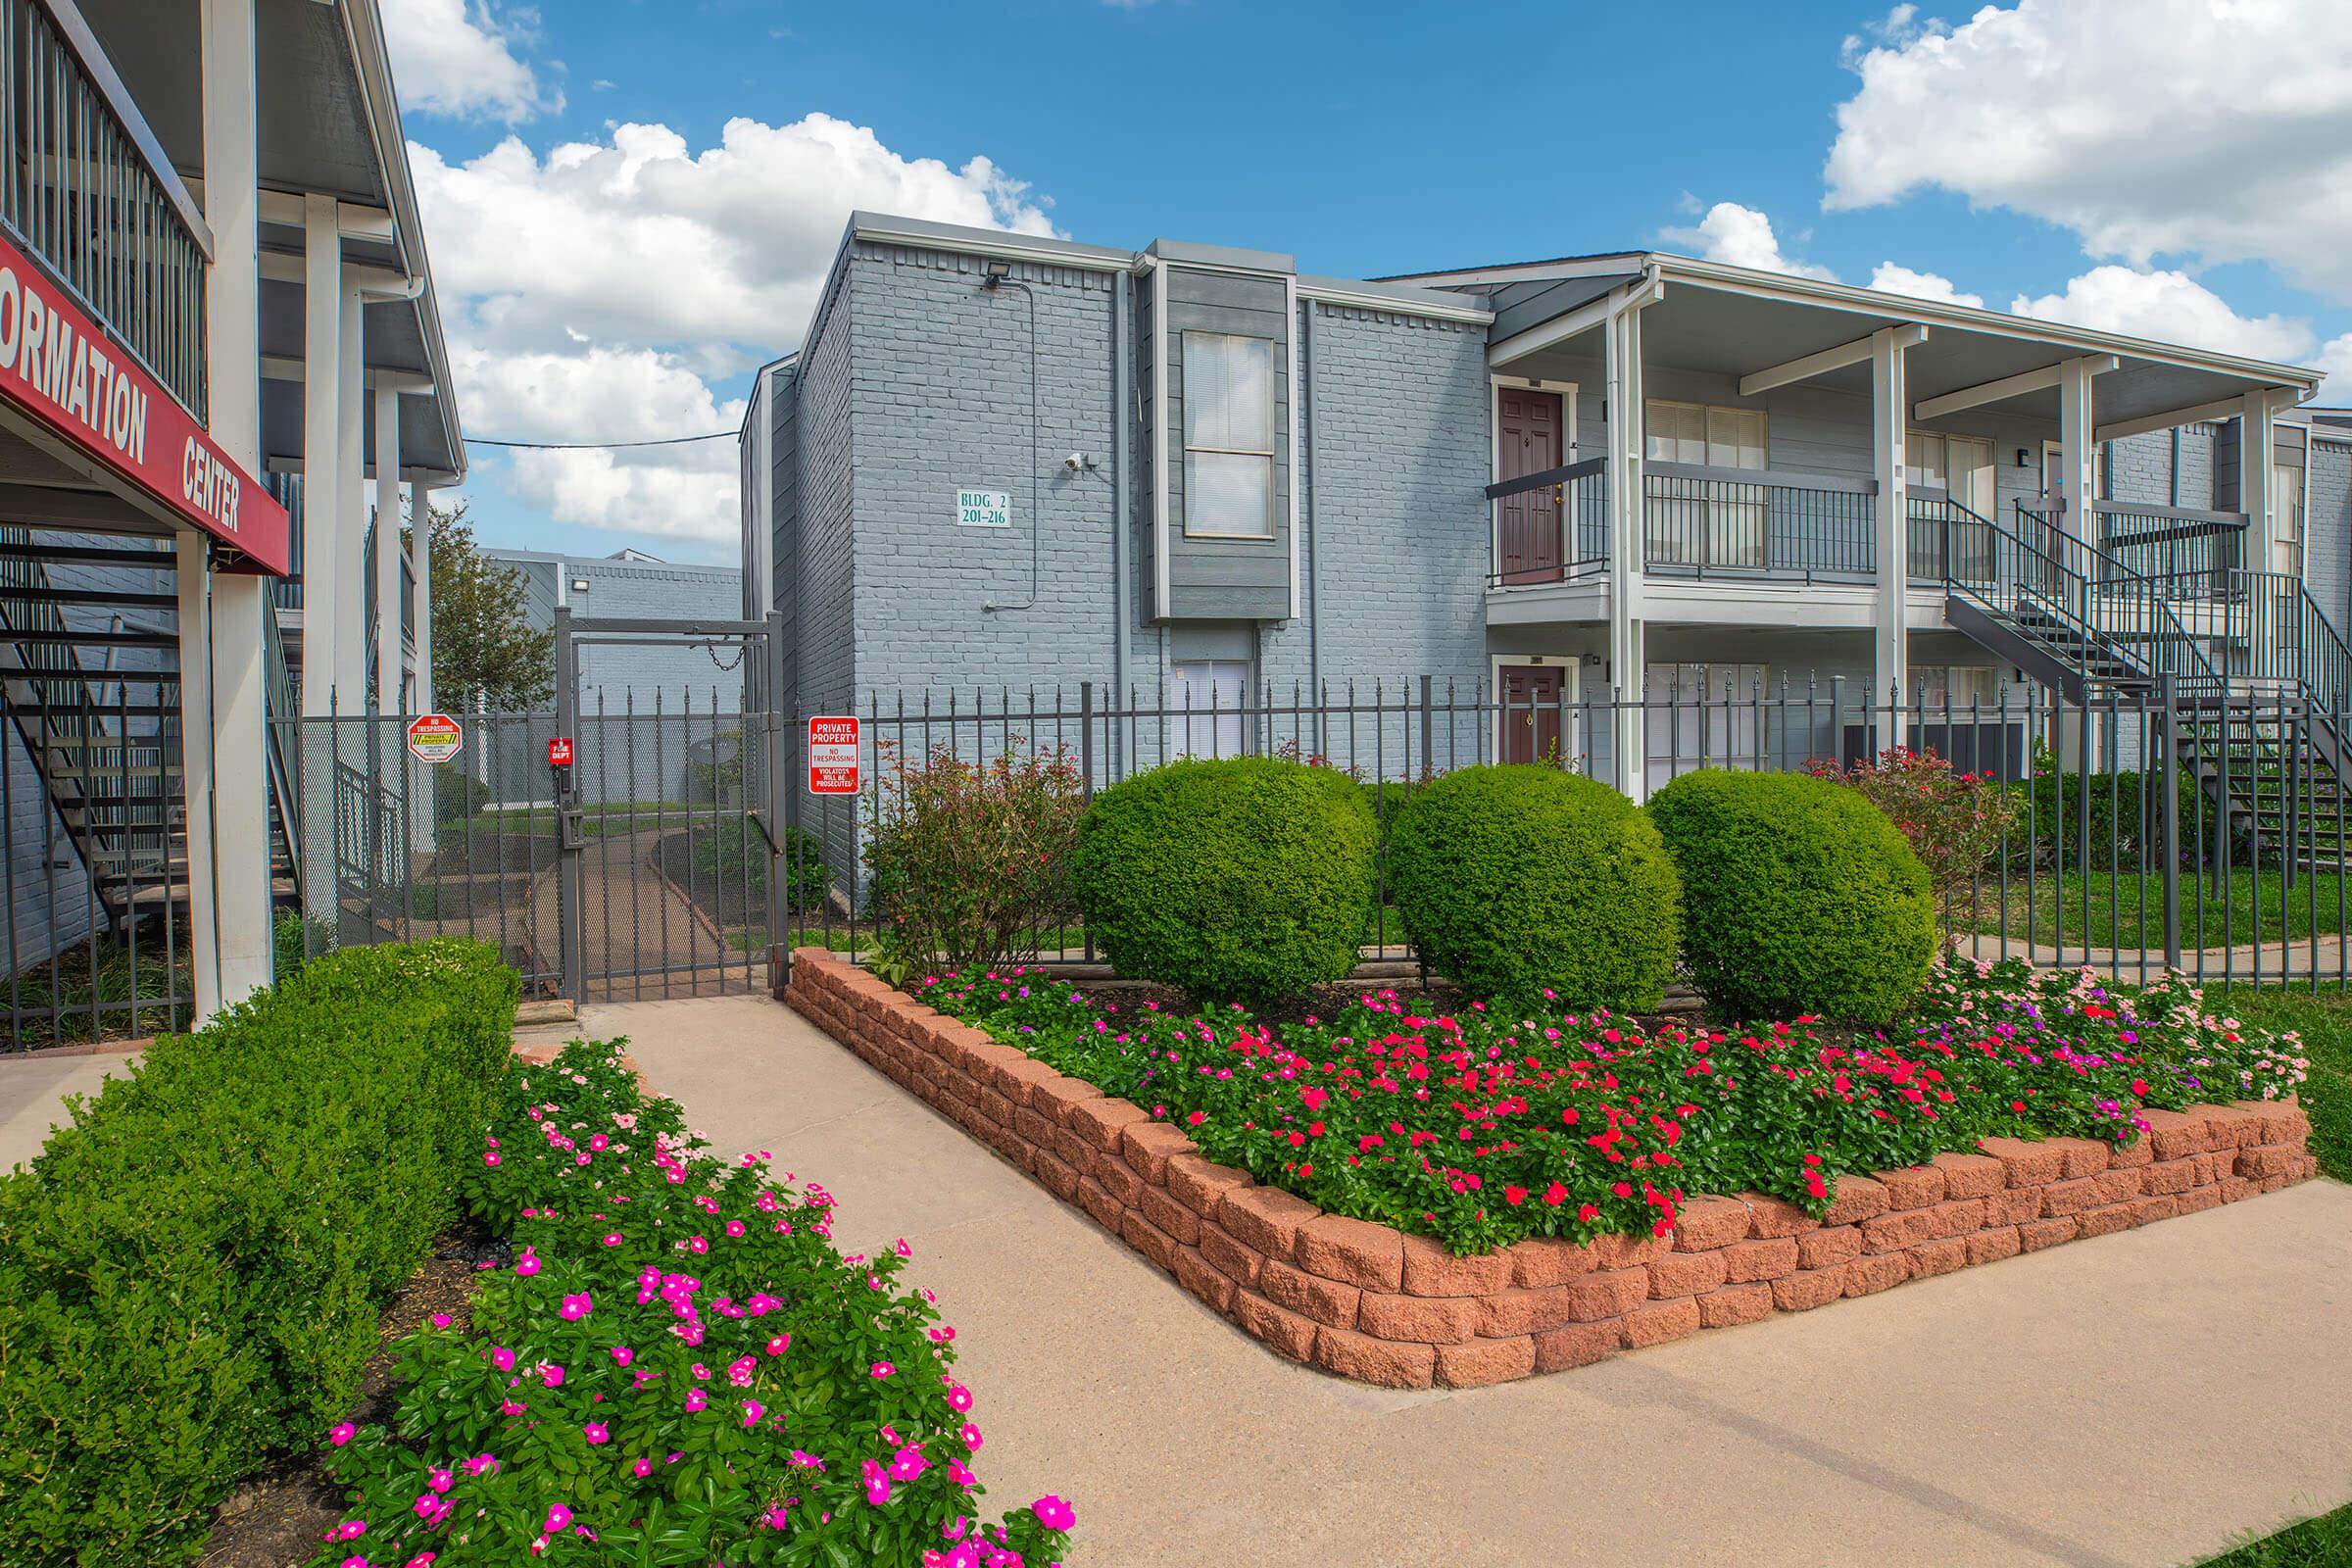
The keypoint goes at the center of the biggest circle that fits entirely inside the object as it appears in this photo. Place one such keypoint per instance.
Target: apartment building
(225, 364)
(1190, 473)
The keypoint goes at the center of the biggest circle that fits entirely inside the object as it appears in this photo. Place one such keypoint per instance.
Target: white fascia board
(1807, 367)
(923, 235)
(1528, 271)
(2008, 386)
(1937, 312)
(1429, 304)
(2223, 409)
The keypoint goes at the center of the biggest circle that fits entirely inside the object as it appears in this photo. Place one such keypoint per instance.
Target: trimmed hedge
(192, 1273)
(1799, 896)
(1244, 879)
(2115, 819)
(1521, 882)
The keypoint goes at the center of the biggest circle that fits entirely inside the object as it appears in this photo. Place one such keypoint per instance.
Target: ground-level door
(1534, 701)
(1530, 437)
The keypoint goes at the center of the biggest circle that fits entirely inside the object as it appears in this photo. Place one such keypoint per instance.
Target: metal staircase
(89, 680)
(2258, 679)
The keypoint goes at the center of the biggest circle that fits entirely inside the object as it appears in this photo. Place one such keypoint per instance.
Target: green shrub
(192, 1272)
(2056, 814)
(1518, 882)
(1244, 879)
(1799, 896)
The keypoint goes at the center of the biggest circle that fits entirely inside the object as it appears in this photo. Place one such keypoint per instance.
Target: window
(1932, 685)
(1961, 467)
(2286, 519)
(1228, 436)
(1702, 715)
(1701, 522)
(1205, 697)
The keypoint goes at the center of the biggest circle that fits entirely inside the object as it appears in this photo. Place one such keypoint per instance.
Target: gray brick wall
(2139, 467)
(2328, 529)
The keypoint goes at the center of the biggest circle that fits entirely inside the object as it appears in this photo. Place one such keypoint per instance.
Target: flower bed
(678, 1368)
(1489, 1233)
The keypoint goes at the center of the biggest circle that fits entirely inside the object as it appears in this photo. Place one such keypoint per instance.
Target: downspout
(2175, 468)
(1122, 424)
(1314, 556)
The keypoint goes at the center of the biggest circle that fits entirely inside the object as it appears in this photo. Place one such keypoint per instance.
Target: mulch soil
(279, 1516)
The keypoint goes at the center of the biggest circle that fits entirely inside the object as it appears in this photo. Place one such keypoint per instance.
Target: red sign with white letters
(833, 755)
(558, 751)
(58, 365)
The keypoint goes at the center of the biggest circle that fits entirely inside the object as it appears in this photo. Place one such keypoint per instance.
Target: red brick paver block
(1102, 1123)
(2036, 1234)
(1734, 1304)
(1171, 1216)
(1431, 1270)
(1118, 1178)
(1055, 1177)
(1098, 1201)
(1149, 1146)
(1428, 1319)
(1769, 1219)
(1308, 1294)
(2126, 1157)
(1746, 1262)
(1857, 1199)
(1809, 1288)
(1198, 1184)
(2030, 1165)
(1627, 1252)
(1689, 1273)
(1990, 1246)
(1575, 1345)
(1931, 1258)
(1957, 1216)
(2228, 1126)
(2175, 1135)
(2107, 1218)
(1385, 1363)
(2148, 1211)
(1230, 1257)
(1867, 1275)
(1970, 1175)
(1828, 1247)
(1264, 1218)
(2171, 1176)
(1917, 1187)
(2197, 1200)
(1193, 1272)
(2268, 1160)
(1506, 1313)
(1905, 1228)
(1148, 1239)
(1547, 1260)
(1286, 1331)
(2014, 1207)
(1353, 1251)
(1609, 1294)
(1480, 1363)
(1704, 1224)
(1660, 1323)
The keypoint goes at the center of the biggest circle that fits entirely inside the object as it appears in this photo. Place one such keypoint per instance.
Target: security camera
(1077, 460)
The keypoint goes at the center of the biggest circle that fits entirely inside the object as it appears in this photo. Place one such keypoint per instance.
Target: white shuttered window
(1228, 436)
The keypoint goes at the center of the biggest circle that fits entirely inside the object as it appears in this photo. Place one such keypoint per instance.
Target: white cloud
(1742, 236)
(1892, 278)
(2335, 358)
(2170, 307)
(456, 58)
(2220, 129)
(598, 291)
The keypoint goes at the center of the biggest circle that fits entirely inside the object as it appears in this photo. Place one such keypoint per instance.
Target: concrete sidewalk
(2143, 1398)
(34, 1091)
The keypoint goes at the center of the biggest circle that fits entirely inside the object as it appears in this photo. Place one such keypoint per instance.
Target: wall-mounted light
(2025, 457)
(579, 585)
(997, 272)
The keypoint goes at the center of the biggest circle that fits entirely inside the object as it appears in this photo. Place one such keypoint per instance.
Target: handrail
(1550, 476)
(278, 698)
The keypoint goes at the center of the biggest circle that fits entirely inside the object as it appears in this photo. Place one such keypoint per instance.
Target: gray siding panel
(1209, 576)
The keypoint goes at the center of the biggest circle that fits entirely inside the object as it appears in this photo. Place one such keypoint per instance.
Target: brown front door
(1530, 440)
(1531, 712)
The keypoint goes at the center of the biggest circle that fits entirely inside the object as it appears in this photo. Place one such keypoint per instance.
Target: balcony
(85, 188)
(1698, 523)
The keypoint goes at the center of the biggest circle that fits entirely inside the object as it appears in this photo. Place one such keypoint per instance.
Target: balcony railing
(2191, 555)
(85, 188)
(1553, 526)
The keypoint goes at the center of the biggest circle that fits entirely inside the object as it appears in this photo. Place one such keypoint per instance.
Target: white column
(387, 551)
(1891, 668)
(2076, 479)
(324, 560)
(222, 681)
(2256, 433)
(1623, 356)
(420, 561)
(351, 507)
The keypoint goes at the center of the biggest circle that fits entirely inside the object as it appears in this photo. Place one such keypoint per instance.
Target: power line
(599, 446)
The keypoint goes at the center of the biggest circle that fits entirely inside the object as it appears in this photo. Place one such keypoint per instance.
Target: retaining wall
(1373, 1303)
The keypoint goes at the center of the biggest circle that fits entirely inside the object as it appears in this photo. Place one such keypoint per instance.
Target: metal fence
(2204, 832)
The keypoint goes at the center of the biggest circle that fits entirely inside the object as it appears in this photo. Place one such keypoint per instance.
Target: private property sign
(434, 737)
(833, 755)
(56, 364)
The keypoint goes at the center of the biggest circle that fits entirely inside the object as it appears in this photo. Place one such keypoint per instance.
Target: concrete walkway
(2144, 1398)
(34, 1091)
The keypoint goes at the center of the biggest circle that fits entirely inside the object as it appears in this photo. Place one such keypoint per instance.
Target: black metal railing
(85, 188)
(1551, 526)
(2192, 555)
(1708, 522)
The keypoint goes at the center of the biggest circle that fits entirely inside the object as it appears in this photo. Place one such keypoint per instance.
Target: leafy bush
(192, 1272)
(678, 1368)
(1955, 823)
(1526, 881)
(1245, 878)
(1396, 1113)
(970, 860)
(1799, 896)
(729, 851)
(2047, 813)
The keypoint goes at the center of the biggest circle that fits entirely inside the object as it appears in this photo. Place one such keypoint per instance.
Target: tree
(486, 653)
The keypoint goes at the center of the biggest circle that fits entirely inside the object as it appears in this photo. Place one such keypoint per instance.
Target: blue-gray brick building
(1191, 473)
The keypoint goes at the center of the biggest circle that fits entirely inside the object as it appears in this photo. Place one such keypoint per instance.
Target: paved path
(2137, 1399)
(34, 1091)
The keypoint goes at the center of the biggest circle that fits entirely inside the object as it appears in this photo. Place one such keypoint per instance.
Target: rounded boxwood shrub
(1799, 896)
(1518, 879)
(1246, 879)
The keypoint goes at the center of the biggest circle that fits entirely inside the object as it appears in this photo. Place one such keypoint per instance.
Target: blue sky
(2174, 167)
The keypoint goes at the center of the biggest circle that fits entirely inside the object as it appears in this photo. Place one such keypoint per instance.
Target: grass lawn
(2322, 1543)
(2324, 1021)
(2124, 911)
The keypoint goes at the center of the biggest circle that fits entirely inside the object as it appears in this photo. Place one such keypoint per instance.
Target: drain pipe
(1122, 437)
(1305, 414)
